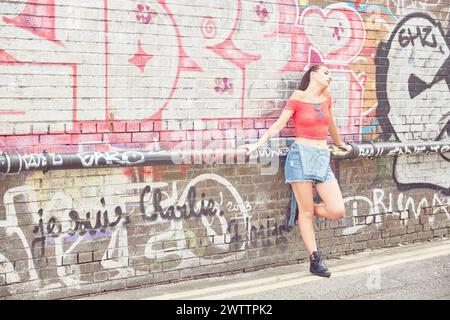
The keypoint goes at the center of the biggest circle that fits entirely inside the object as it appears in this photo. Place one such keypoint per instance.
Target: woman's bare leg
(333, 207)
(303, 195)
(319, 210)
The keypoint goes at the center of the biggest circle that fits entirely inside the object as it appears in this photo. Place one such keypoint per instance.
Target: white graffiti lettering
(375, 209)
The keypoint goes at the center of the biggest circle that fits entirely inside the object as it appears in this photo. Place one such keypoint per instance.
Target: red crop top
(311, 119)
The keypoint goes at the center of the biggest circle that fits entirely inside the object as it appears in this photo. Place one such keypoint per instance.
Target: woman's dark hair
(307, 76)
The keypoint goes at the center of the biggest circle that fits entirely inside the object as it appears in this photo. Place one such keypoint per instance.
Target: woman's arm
(284, 117)
(332, 128)
(275, 128)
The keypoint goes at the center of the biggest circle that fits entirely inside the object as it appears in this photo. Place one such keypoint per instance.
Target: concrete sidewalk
(416, 271)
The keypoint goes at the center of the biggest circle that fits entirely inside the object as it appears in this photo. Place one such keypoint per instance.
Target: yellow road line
(279, 281)
(311, 278)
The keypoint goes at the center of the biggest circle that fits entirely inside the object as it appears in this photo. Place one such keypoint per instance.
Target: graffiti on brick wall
(366, 211)
(62, 73)
(439, 8)
(413, 88)
(335, 36)
(63, 229)
(377, 22)
(209, 222)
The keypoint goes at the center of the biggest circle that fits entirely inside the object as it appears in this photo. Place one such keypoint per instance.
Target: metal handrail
(13, 162)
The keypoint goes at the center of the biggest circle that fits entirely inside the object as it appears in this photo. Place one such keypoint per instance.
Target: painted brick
(236, 124)
(132, 127)
(251, 134)
(84, 257)
(187, 125)
(55, 139)
(172, 136)
(173, 125)
(287, 132)
(117, 126)
(103, 127)
(217, 134)
(23, 129)
(89, 127)
(69, 259)
(248, 124)
(145, 136)
(212, 124)
(57, 128)
(89, 138)
(269, 122)
(97, 255)
(224, 124)
(21, 141)
(40, 128)
(259, 123)
(100, 276)
(117, 137)
(7, 129)
(73, 128)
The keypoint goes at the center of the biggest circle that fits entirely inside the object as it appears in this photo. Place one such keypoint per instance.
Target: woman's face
(322, 76)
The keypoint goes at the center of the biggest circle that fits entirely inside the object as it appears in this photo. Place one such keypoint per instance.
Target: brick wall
(162, 75)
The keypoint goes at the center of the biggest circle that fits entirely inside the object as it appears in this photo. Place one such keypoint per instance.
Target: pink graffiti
(209, 28)
(346, 35)
(185, 63)
(223, 85)
(144, 13)
(342, 26)
(287, 28)
(337, 31)
(140, 58)
(229, 51)
(38, 17)
(261, 11)
(6, 57)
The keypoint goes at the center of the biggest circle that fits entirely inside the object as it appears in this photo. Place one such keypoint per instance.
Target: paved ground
(417, 271)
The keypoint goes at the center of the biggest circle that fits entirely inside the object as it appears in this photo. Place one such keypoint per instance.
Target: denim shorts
(307, 163)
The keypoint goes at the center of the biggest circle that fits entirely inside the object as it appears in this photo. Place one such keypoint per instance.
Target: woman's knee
(336, 212)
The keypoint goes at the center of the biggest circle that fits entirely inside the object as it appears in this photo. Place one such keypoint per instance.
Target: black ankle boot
(317, 265)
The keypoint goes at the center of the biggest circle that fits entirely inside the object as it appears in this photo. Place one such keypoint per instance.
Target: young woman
(308, 160)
